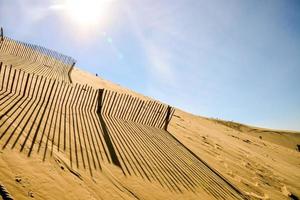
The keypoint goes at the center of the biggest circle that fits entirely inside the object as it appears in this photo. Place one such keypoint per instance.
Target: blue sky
(234, 60)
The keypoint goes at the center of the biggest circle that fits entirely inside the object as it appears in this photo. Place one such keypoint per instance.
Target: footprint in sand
(253, 190)
(231, 174)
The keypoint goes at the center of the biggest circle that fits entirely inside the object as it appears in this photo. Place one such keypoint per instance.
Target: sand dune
(289, 139)
(91, 139)
(259, 167)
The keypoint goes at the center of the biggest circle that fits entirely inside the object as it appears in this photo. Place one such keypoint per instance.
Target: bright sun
(87, 12)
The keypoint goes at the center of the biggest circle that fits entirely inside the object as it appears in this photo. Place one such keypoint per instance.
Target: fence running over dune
(49, 62)
(127, 107)
(91, 127)
(41, 114)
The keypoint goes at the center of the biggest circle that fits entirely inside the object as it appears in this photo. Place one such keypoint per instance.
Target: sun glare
(87, 12)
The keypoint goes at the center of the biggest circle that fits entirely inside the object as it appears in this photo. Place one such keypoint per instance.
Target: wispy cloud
(160, 59)
(57, 7)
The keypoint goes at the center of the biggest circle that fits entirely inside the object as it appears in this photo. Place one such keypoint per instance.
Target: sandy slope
(263, 168)
(266, 168)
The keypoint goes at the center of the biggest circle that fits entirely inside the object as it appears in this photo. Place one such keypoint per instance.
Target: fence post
(69, 72)
(2, 37)
(167, 120)
(100, 99)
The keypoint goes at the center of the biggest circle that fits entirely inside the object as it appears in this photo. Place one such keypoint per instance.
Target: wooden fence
(49, 62)
(127, 107)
